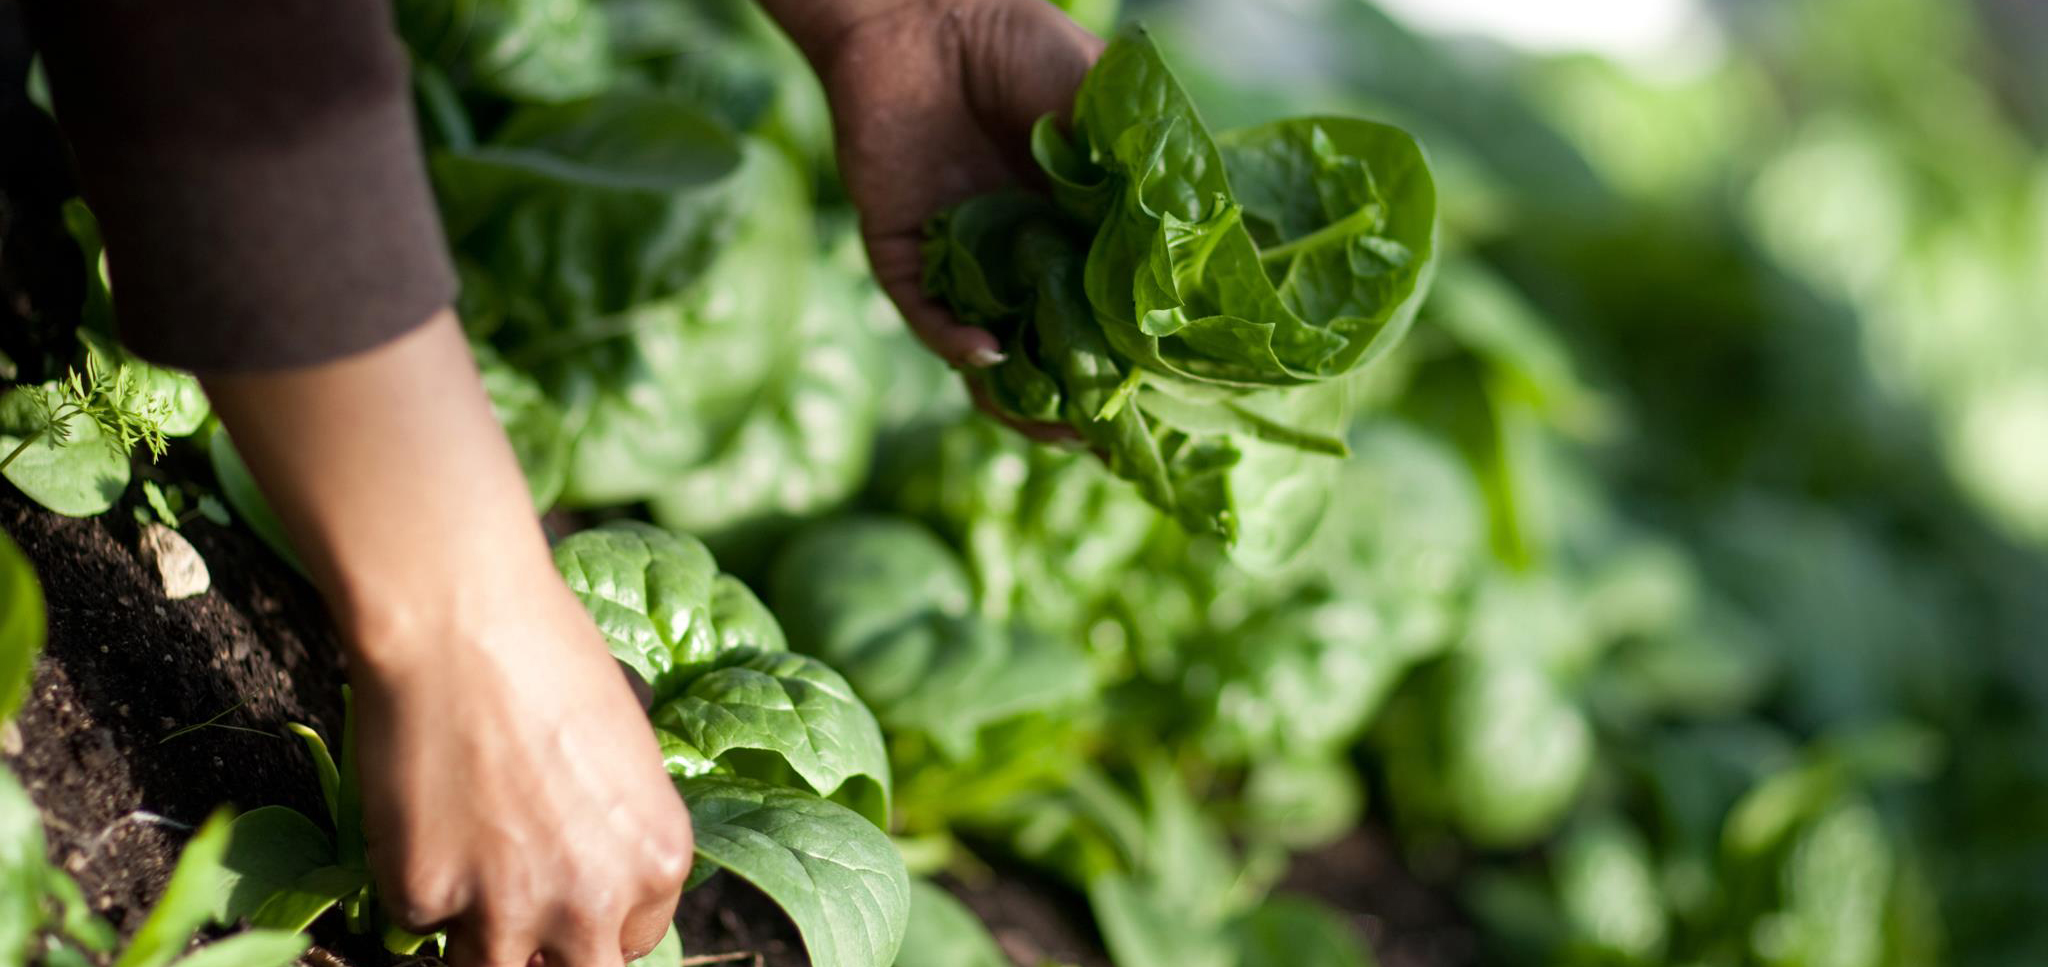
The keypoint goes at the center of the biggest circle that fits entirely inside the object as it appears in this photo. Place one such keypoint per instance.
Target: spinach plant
(781, 763)
(1190, 302)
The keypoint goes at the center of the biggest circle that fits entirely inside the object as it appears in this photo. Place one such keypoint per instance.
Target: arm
(492, 717)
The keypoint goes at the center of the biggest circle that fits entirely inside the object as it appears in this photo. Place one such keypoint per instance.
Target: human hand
(512, 789)
(933, 103)
(513, 792)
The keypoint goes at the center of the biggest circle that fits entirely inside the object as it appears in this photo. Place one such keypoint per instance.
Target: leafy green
(59, 456)
(547, 50)
(888, 603)
(269, 849)
(795, 708)
(21, 626)
(533, 423)
(239, 488)
(187, 899)
(254, 948)
(942, 932)
(662, 604)
(1174, 274)
(836, 875)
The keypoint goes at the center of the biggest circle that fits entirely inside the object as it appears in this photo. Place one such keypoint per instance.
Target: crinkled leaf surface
(836, 875)
(794, 708)
(650, 593)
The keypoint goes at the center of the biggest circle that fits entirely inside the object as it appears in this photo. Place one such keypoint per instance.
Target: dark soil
(1407, 922)
(1034, 921)
(125, 668)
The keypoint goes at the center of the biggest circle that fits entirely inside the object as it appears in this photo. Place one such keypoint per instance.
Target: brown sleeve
(256, 173)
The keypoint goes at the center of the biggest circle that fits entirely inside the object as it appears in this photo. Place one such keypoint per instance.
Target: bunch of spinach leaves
(1190, 303)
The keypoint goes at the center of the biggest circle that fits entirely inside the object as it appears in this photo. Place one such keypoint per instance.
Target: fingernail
(984, 358)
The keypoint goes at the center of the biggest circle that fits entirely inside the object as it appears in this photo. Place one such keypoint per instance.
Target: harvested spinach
(1191, 302)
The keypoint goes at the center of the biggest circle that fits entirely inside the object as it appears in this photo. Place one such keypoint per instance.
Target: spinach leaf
(541, 50)
(533, 423)
(21, 869)
(793, 708)
(727, 694)
(1174, 274)
(252, 948)
(1294, 932)
(942, 932)
(21, 626)
(836, 875)
(238, 487)
(650, 593)
(803, 444)
(270, 849)
(886, 602)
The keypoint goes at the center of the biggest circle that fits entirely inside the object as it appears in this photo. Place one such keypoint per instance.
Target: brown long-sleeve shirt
(256, 173)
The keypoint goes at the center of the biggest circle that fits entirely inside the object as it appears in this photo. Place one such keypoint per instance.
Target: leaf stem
(1362, 220)
(23, 445)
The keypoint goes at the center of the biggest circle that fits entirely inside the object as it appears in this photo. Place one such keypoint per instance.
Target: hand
(512, 789)
(513, 792)
(933, 103)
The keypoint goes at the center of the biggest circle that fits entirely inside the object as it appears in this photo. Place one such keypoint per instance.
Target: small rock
(179, 565)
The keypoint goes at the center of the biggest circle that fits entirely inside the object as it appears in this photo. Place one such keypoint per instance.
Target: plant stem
(1359, 221)
(9, 458)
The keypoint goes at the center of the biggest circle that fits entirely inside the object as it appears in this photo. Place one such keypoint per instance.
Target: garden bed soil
(104, 744)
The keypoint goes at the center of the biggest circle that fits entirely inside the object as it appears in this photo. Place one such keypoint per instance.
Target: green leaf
(883, 601)
(241, 492)
(21, 626)
(1279, 257)
(21, 869)
(254, 948)
(1142, 930)
(794, 708)
(1296, 932)
(533, 423)
(838, 877)
(270, 849)
(944, 933)
(188, 899)
(301, 902)
(657, 597)
(1516, 751)
(544, 50)
(323, 768)
(349, 847)
(80, 477)
(667, 953)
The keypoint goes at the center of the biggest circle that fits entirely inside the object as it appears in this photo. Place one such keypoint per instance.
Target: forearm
(394, 480)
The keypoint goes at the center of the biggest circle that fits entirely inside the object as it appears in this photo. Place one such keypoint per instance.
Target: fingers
(482, 942)
(898, 261)
(646, 925)
(1026, 61)
(1058, 434)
